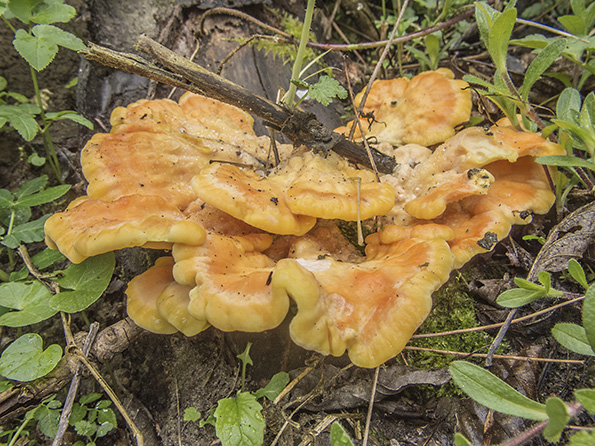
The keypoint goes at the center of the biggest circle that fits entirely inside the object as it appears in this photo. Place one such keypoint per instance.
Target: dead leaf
(568, 240)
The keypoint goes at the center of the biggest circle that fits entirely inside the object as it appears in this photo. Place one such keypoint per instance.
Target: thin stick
(485, 355)
(68, 403)
(500, 324)
(499, 337)
(370, 407)
(138, 436)
(337, 46)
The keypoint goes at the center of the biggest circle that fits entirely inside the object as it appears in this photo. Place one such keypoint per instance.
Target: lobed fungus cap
(424, 110)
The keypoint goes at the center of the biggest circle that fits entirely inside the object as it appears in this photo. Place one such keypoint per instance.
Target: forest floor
(159, 376)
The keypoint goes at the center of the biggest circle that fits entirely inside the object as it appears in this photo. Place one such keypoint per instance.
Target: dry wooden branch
(300, 127)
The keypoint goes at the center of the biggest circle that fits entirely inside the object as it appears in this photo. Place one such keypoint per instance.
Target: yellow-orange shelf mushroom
(191, 177)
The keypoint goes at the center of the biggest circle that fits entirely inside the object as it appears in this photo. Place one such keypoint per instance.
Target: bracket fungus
(247, 239)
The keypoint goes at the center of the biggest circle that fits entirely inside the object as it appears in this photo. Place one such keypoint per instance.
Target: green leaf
(10, 241)
(35, 160)
(38, 52)
(275, 386)
(22, 121)
(570, 99)
(574, 24)
(589, 315)
(72, 116)
(31, 186)
(245, 356)
(565, 161)
(6, 198)
(239, 421)
(85, 428)
(89, 398)
(578, 273)
(558, 415)
(499, 38)
(57, 36)
(460, 440)
(49, 419)
(541, 63)
(25, 360)
(573, 337)
(106, 415)
(104, 429)
(22, 9)
(582, 438)
(31, 231)
(79, 412)
(485, 16)
(191, 414)
(30, 302)
(84, 283)
(47, 258)
(587, 398)
(517, 297)
(45, 196)
(338, 435)
(326, 89)
(492, 392)
(52, 12)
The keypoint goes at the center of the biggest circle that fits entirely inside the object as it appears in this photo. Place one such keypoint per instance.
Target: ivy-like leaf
(589, 315)
(587, 398)
(326, 89)
(275, 386)
(492, 392)
(84, 283)
(558, 415)
(30, 302)
(239, 421)
(573, 337)
(38, 52)
(338, 435)
(25, 360)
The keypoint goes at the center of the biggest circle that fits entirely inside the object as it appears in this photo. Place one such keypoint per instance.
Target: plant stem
(47, 139)
(299, 59)
(17, 434)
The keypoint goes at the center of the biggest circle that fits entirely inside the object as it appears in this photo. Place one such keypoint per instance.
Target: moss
(453, 310)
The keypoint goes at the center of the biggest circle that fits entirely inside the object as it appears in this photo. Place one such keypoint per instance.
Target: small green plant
(238, 419)
(38, 44)
(495, 30)
(338, 435)
(555, 414)
(15, 214)
(94, 421)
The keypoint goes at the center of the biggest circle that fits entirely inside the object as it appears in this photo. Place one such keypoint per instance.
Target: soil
(158, 376)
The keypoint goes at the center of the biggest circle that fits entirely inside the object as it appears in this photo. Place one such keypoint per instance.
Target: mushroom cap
(423, 111)
(328, 187)
(250, 197)
(231, 282)
(94, 227)
(142, 294)
(371, 308)
(479, 183)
